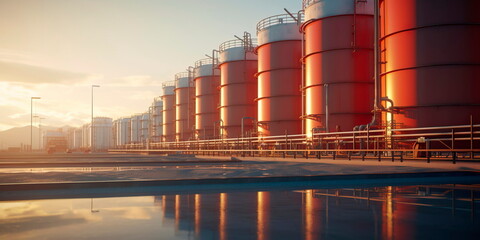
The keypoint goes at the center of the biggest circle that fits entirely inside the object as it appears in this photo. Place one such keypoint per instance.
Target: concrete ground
(42, 168)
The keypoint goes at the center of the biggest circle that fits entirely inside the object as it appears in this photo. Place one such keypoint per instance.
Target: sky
(56, 49)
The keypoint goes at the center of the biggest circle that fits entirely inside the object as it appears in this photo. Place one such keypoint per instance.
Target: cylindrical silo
(135, 128)
(279, 76)
(238, 87)
(156, 130)
(102, 133)
(207, 97)
(123, 132)
(338, 58)
(184, 106)
(77, 139)
(430, 55)
(145, 127)
(115, 126)
(168, 112)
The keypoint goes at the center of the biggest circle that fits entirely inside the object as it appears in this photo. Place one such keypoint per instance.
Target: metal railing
(439, 143)
(181, 75)
(307, 3)
(168, 84)
(235, 43)
(276, 20)
(206, 61)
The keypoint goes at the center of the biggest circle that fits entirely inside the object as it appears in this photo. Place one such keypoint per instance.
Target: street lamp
(31, 121)
(91, 124)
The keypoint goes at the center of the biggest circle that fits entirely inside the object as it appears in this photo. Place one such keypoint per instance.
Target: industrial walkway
(115, 167)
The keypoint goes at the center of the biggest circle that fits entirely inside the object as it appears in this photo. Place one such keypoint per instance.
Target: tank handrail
(181, 75)
(306, 3)
(276, 20)
(235, 43)
(205, 61)
(168, 84)
(433, 128)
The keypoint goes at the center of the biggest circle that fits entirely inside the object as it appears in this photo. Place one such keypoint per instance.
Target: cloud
(134, 81)
(36, 74)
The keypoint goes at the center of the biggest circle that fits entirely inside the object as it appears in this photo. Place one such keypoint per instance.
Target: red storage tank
(184, 106)
(279, 76)
(168, 112)
(431, 55)
(238, 87)
(207, 97)
(339, 86)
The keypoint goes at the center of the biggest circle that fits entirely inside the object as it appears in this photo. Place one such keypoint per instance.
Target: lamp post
(91, 124)
(31, 121)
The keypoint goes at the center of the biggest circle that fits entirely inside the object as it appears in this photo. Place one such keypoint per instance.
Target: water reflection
(263, 215)
(412, 212)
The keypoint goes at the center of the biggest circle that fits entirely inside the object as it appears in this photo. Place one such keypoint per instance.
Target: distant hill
(18, 136)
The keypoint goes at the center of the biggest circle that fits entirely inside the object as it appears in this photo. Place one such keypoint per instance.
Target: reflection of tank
(207, 80)
(338, 64)
(168, 112)
(431, 61)
(156, 120)
(279, 76)
(238, 86)
(184, 106)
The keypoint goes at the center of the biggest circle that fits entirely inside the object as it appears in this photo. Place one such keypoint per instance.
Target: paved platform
(20, 169)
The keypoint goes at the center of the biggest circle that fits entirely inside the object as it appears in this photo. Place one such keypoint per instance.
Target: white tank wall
(279, 32)
(145, 127)
(157, 119)
(236, 54)
(123, 131)
(168, 90)
(328, 8)
(86, 136)
(206, 70)
(77, 138)
(102, 132)
(183, 82)
(135, 128)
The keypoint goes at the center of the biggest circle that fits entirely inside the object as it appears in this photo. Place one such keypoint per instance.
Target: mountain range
(20, 136)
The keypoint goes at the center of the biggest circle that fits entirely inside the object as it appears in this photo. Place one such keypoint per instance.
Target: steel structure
(207, 97)
(459, 142)
(238, 86)
(168, 112)
(279, 75)
(145, 128)
(156, 120)
(338, 61)
(414, 61)
(430, 61)
(184, 106)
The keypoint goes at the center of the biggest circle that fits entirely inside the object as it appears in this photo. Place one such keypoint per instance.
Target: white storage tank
(86, 136)
(135, 128)
(123, 132)
(156, 123)
(77, 138)
(145, 128)
(102, 133)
